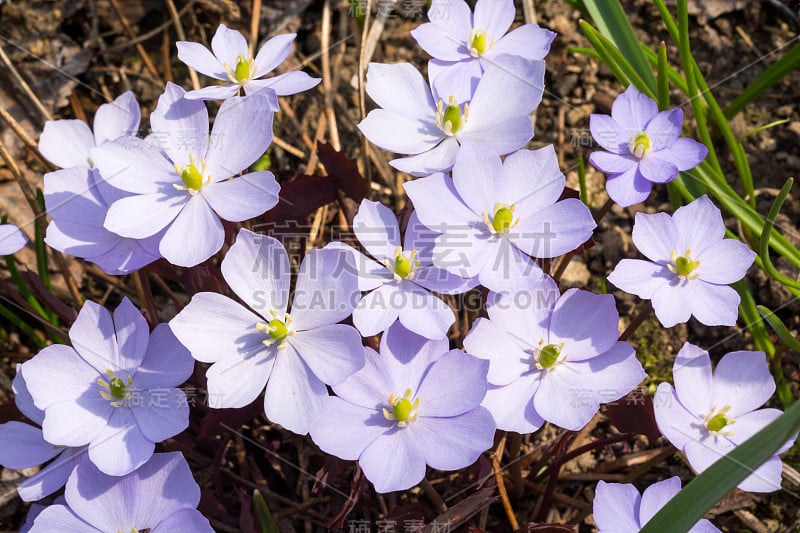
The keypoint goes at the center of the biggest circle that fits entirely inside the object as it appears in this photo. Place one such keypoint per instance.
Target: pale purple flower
(709, 414)
(404, 410)
(293, 352)
(434, 125)
(114, 389)
(494, 215)
(160, 497)
(11, 239)
(68, 143)
(400, 277)
(464, 45)
(77, 200)
(690, 265)
(232, 63)
(619, 508)
(184, 190)
(552, 358)
(23, 446)
(643, 147)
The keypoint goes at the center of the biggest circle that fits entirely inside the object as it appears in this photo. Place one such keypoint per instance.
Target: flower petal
(23, 446)
(77, 422)
(257, 268)
(459, 79)
(75, 375)
(200, 58)
(677, 424)
(693, 383)
(291, 82)
(407, 357)
(295, 397)
(143, 215)
(633, 110)
(638, 277)
(494, 17)
(665, 128)
(657, 170)
(11, 239)
(376, 228)
(725, 262)
(213, 327)
(117, 119)
(656, 236)
(236, 380)
(194, 236)
(529, 41)
(512, 405)
(742, 380)
(616, 506)
(437, 203)
(530, 191)
(23, 398)
(229, 45)
(66, 143)
(225, 197)
(714, 305)
(554, 230)
(508, 361)
(609, 134)
(345, 429)
(400, 90)
(161, 413)
(214, 92)
(699, 225)
(326, 290)
(375, 311)
(181, 124)
(402, 134)
(52, 477)
(133, 165)
(167, 362)
(395, 460)
(673, 302)
(440, 45)
(611, 163)
(586, 323)
(656, 496)
(121, 447)
(504, 268)
(371, 386)
(272, 53)
(184, 521)
(60, 518)
(442, 396)
(475, 174)
(452, 443)
(440, 158)
(230, 152)
(684, 153)
(628, 188)
(333, 353)
(425, 313)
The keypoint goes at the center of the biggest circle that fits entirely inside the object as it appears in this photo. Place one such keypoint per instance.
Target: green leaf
(703, 492)
(765, 80)
(40, 246)
(766, 235)
(783, 332)
(782, 387)
(611, 20)
(663, 78)
(266, 523)
(582, 181)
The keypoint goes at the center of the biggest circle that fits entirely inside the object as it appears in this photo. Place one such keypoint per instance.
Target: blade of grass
(41, 248)
(611, 20)
(763, 128)
(599, 41)
(582, 181)
(782, 387)
(663, 78)
(704, 491)
(22, 326)
(774, 73)
(766, 234)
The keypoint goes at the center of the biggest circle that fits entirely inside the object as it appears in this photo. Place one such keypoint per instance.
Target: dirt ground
(76, 54)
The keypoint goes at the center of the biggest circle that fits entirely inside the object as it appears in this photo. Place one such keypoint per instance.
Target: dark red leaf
(344, 172)
(633, 413)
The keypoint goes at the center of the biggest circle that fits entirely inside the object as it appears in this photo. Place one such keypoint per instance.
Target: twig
(25, 87)
(515, 467)
(30, 144)
(255, 21)
(501, 488)
(176, 19)
(362, 100)
(148, 63)
(637, 321)
(327, 82)
(145, 295)
(288, 147)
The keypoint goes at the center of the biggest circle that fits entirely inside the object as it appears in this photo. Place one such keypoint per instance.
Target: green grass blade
(782, 387)
(266, 523)
(663, 78)
(41, 248)
(611, 20)
(703, 492)
(766, 235)
(674, 76)
(765, 80)
(582, 181)
(763, 128)
(631, 74)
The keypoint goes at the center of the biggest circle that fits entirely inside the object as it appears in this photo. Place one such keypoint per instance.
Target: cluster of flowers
(479, 219)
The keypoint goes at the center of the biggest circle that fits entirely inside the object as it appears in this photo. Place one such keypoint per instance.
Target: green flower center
(449, 117)
(548, 355)
(479, 42)
(277, 330)
(717, 420)
(191, 177)
(502, 219)
(403, 409)
(242, 71)
(116, 390)
(640, 144)
(403, 266)
(683, 265)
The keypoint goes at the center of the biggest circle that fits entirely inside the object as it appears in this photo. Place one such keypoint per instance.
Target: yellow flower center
(243, 67)
(193, 178)
(403, 409)
(640, 144)
(683, 265)
(277, 330)
(479, 42)
(549, 355)
(403, 267)
(449, 117)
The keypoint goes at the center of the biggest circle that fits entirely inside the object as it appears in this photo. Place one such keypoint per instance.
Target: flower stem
(434, 496)
(501, 488)
(145, 295)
